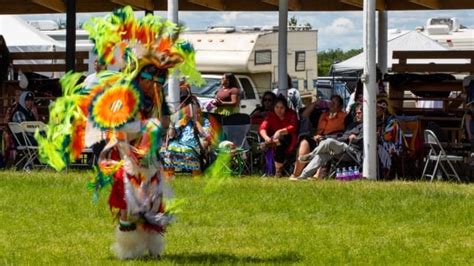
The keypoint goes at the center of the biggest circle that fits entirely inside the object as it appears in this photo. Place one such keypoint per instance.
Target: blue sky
(335, 29)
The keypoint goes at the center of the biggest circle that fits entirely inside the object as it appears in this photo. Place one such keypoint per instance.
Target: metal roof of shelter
(59, 6)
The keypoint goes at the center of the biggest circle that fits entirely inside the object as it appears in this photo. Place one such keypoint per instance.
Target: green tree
(328, 57)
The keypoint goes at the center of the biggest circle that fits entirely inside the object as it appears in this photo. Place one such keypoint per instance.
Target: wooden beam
(379, 4)
(136, 4)
(433, 4)
(294, 5)
(356, 3)
(56, 5)
(211, 4)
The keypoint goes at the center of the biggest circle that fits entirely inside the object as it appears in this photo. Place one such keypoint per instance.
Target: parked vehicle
(249, 98)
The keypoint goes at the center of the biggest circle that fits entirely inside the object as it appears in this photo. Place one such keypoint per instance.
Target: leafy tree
(328, 57)
(293, 25)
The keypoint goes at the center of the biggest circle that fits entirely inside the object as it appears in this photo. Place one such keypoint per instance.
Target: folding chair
(29, 129)
(347, 158)
(20, 144)
(236, 128)
(439, 156)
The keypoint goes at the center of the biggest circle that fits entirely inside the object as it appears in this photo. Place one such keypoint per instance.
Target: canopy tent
(22, 37)
(403, 41)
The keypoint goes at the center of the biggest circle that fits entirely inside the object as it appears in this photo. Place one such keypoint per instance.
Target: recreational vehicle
(253, 51)
(450, 33)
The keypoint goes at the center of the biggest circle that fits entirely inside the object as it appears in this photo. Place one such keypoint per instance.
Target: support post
(282, 47)
(382, 58)
(368, 78)
(70, 35)
(173, 84)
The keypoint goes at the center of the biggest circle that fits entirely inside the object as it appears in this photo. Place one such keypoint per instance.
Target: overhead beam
(137, 4)
(294, 5)
(211, 4)
(56, 5)
(433, 4)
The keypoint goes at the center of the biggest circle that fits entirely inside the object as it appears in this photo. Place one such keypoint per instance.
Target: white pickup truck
(249, 96)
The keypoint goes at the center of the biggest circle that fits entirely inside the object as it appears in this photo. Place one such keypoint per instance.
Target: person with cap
(26, 109)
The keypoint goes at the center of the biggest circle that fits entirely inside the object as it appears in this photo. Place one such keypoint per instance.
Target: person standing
(227, 97)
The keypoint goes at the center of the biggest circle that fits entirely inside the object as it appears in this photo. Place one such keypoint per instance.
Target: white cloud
(339, 26)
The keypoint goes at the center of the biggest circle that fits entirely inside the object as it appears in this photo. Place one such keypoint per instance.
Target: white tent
(406, 41)
(21, 36)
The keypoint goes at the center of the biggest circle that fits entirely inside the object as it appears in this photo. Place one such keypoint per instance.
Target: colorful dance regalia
(127, 109)
(184, 150)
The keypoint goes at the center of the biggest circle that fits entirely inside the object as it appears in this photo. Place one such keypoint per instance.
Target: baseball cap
(29, 96)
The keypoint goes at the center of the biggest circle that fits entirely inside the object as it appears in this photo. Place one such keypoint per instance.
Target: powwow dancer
(130, 110)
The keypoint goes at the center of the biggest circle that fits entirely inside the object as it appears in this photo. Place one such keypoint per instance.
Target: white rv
(450, 33)
(253, 51)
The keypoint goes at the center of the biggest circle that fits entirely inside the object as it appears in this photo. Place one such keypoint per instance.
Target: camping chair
(439, 156)
(236, 128)
(29, 129)
(20, 145)
(349, 157)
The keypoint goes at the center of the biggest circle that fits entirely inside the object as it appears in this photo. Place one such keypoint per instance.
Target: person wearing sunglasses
(268, 102)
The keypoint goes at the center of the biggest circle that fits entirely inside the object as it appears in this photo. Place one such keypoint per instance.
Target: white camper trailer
(449, 33)
(254, 52)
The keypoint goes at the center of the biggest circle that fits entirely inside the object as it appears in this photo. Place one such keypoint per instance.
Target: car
(249, 96)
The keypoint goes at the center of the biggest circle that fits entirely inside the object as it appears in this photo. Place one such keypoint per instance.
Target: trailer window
(300, 61)
(248, 88)
(263, 57)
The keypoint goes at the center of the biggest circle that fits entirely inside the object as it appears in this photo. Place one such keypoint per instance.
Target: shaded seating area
(424, 92)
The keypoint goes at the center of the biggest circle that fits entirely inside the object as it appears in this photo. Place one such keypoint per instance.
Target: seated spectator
(310, 116)
(330, 123)
(268, 101)
(279, 132)
(390, 134)
(330, 148)
(186, 145)
(26, 109)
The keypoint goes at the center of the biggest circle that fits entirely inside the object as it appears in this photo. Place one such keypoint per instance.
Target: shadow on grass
(197, 257)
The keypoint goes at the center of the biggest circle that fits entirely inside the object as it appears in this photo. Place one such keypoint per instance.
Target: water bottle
(338, 174)
(439, 175)
(344, 174)
(356, 173)
(350, 173)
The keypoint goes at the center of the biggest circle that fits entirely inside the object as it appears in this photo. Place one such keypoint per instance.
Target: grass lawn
(49, 218)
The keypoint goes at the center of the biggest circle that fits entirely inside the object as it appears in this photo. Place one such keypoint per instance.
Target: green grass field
(49, 218)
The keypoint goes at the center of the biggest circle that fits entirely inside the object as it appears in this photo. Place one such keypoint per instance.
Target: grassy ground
(49, 218)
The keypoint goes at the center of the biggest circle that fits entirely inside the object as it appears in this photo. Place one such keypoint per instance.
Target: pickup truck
(249, 98)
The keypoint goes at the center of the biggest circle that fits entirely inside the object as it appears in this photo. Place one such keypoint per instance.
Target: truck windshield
(208, 89)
